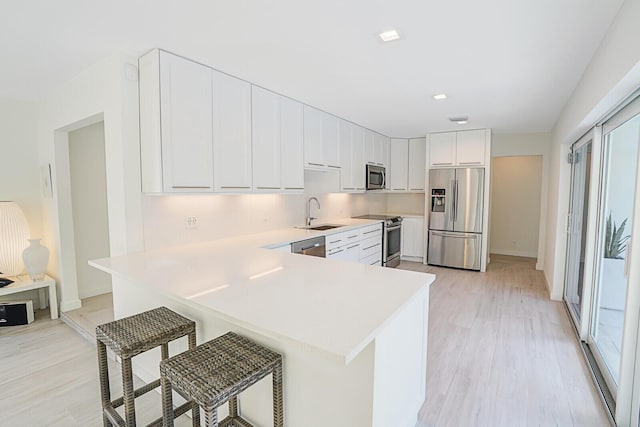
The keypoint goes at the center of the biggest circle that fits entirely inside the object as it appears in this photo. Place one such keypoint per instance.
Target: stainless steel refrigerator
(455, 217)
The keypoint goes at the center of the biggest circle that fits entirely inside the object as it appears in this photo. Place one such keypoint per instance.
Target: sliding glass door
(621, 139)
(580, 159)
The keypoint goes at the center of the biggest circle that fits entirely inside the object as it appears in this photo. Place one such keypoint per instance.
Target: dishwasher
(315, 247)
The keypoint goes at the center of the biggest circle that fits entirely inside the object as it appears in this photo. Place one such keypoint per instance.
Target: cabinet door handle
(373, 246)
(315, 164)
(231, 187)
(442, 164)
(189, 186)
(353, 246)
(470, 163)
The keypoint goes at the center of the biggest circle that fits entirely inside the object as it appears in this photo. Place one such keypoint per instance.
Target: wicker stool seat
(128, 337)
(216, 372)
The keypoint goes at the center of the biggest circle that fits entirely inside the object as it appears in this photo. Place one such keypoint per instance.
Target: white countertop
(337, 307)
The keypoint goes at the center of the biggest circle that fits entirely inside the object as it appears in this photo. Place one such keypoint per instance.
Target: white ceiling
(509, 65)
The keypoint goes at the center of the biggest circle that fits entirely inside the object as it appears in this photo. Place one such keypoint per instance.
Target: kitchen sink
(322, 227)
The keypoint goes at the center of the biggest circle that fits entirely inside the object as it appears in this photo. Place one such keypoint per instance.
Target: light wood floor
(500, 354)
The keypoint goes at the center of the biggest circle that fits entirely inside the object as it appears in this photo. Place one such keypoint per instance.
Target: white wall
(106, 91)
(515, 205)
(20, 171)
(529, 144)
(407, 203)
(222, 216)
(612, 75)
(89, 200)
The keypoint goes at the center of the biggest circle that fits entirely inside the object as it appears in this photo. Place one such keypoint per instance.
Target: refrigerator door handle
(456, 235)
(456, 199)
(452, 213)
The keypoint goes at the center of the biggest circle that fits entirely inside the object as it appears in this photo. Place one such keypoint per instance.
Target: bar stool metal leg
(167, 403)
(127, 384)
(105, 389)
(211, 417)
(195, 412)
(278, 410)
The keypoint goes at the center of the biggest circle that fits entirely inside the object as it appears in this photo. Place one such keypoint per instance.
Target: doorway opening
(89, 207)
(516, 186)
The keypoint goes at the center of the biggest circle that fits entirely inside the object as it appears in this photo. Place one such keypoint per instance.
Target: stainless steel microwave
(376, 177)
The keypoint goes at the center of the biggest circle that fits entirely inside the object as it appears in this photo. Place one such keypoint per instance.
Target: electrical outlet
(191, 221)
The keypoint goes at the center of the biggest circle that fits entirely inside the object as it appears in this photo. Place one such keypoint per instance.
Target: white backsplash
(220, 216)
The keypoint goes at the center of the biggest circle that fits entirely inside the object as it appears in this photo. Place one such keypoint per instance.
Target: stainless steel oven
(392, 241)
(392, 238)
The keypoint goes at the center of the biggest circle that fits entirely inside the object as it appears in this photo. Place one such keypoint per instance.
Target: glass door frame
(594, 136)
(627, 396)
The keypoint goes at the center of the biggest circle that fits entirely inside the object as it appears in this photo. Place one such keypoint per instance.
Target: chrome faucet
(309, 217)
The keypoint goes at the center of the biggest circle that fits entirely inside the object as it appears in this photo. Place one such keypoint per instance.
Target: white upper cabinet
(265, 134)
(345, 135)
(330, 145)
(376, 148)
(417, 162)
(175, 124)
(471, 146)
(231, 134)
(313, 151)
(291, 134)
(276, 142)
(464, 148)
(352, 174)
(442, 149)
(398, 173)
(369, 147)
(385, 153)
(358, 163)
(321, 147)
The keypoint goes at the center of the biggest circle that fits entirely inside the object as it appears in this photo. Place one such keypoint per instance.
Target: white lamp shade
(14, 232)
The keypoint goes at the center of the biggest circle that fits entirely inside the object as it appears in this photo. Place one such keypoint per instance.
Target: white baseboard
(70, 305)
(514, 253)
(412, 259)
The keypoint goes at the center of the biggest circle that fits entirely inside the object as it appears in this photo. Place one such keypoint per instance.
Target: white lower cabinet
(346, 253)
(371, 245)
(363, 245)
(412, 237)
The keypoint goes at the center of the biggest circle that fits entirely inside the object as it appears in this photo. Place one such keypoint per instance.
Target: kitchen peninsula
(353, 336)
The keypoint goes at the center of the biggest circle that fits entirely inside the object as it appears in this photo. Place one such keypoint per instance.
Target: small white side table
(24, 283)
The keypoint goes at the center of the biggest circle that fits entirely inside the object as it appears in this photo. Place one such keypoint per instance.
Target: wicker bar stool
(216, 372)
(128, 337)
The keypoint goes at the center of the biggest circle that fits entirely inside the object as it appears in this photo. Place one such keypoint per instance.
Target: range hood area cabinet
(462, 150)
(406, 172)
(195, 127)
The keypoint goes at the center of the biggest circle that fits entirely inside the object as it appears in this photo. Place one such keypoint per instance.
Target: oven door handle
(395, 227)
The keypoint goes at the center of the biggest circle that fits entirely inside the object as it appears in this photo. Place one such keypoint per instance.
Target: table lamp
(14, 232)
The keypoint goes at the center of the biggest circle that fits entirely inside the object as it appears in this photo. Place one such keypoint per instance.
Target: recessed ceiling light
(390, 35)
(459, 120)
(440, 96)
